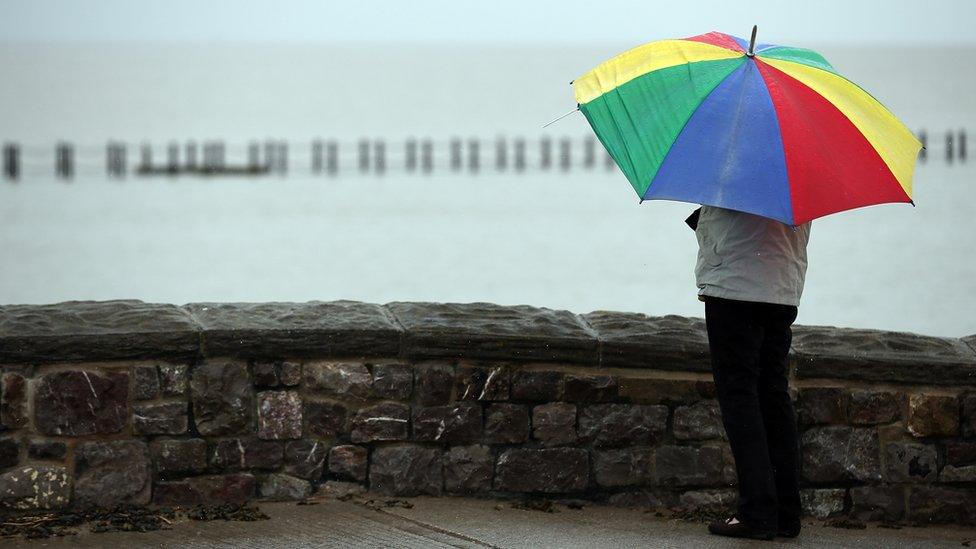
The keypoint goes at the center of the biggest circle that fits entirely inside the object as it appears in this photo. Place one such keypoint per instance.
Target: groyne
(125, 402)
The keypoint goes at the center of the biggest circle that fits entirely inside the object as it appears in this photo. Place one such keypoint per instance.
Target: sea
(575, 239)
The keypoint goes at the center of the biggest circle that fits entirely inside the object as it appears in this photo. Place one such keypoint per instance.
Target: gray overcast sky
(783, 21)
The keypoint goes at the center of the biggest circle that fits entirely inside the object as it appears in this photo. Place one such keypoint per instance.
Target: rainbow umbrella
(770, 130)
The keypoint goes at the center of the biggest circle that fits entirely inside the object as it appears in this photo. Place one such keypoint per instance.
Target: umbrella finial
(752, 42)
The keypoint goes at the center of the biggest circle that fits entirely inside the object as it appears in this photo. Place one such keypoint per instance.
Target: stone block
(822, 405)
(345, 379)
(622, 424)
(484, 383)
(874, 355)
(46, 450)
(205, 490)
(456, 423)
(173, 379)
(160, 419)
(392, 381)
(870, 407)
(174, 457)
(90, 331)
(822, 502)
(933, 415)
(406, 470)
(554, 424)
(223, 399)
(643, 499)
(433, 381)
(265, 373)
(581, 388)
(79, 403)
(489, 331)
(290, 373)
(956, 473)
(326, 418)
(246, 453)
(634, 340)
(941, 505)
(507, 424)
(279, 415)
(348, 462)
(35, 487)
(112, 473)
(145, 382)
(968, 420)
(840, 454)
(707, 502)
(305, 458)
(468, 469)
(909, 462)
(699, 421)
(537, 385)
(623, 466)
(960, 453)
(9, 452)
(549, 470)
(878, 503)
(689, 465)
(384, 421)
(279, 487)
(13, 401)
(645, 390)
(312, 329)
(338, 489)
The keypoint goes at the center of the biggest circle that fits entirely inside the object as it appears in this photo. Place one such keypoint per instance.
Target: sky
(513, 21)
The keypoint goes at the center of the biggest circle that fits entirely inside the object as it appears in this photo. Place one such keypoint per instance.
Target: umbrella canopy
(772, 131)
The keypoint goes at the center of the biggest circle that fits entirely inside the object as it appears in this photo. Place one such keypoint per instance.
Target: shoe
(732, 527)
(788, 530)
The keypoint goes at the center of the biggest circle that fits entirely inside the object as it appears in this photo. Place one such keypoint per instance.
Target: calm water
(577, 241)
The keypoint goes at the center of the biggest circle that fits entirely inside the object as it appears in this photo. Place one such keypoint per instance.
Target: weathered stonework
(113, 403)
(78, 403)
(223, 399)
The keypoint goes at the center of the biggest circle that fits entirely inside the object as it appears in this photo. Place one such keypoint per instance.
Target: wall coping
(86, 331)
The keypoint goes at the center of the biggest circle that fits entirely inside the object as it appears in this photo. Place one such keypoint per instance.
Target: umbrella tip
(752, 42)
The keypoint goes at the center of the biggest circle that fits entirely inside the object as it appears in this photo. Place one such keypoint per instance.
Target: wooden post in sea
(190, 156)
(455, 154)
(253, 156)
(608, 161)
(949, 152)
(410, 155)
(501, 154)
(962, 145)
(316, 156)
(281, 158)
(115, 159)
(332, 157)
(923, 137)
(589, 152)
(145, 158)
(565, 150)
(519, 154)
(379, 156)
(427, 156)
(364, 155)
(64, 160)
(545, 153)
(173, 158)
(270, 153)
(11, 161)
(474, 155)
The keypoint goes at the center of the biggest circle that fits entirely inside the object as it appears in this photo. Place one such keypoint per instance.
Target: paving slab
(474, 523)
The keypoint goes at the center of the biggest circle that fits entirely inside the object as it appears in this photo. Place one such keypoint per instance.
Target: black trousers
(749, 344)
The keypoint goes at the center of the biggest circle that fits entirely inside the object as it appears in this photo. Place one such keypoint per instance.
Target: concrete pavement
(473, 523)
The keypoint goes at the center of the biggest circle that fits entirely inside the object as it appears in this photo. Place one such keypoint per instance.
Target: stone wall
(126, 402)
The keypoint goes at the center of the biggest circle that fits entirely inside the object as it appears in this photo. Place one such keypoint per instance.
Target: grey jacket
(750, 258)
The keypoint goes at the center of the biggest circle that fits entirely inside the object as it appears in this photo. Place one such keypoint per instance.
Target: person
(750, 274)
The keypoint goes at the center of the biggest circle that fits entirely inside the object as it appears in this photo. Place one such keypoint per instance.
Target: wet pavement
(461, 522)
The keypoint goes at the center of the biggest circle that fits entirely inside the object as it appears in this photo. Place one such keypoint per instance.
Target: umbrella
(769, 130)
